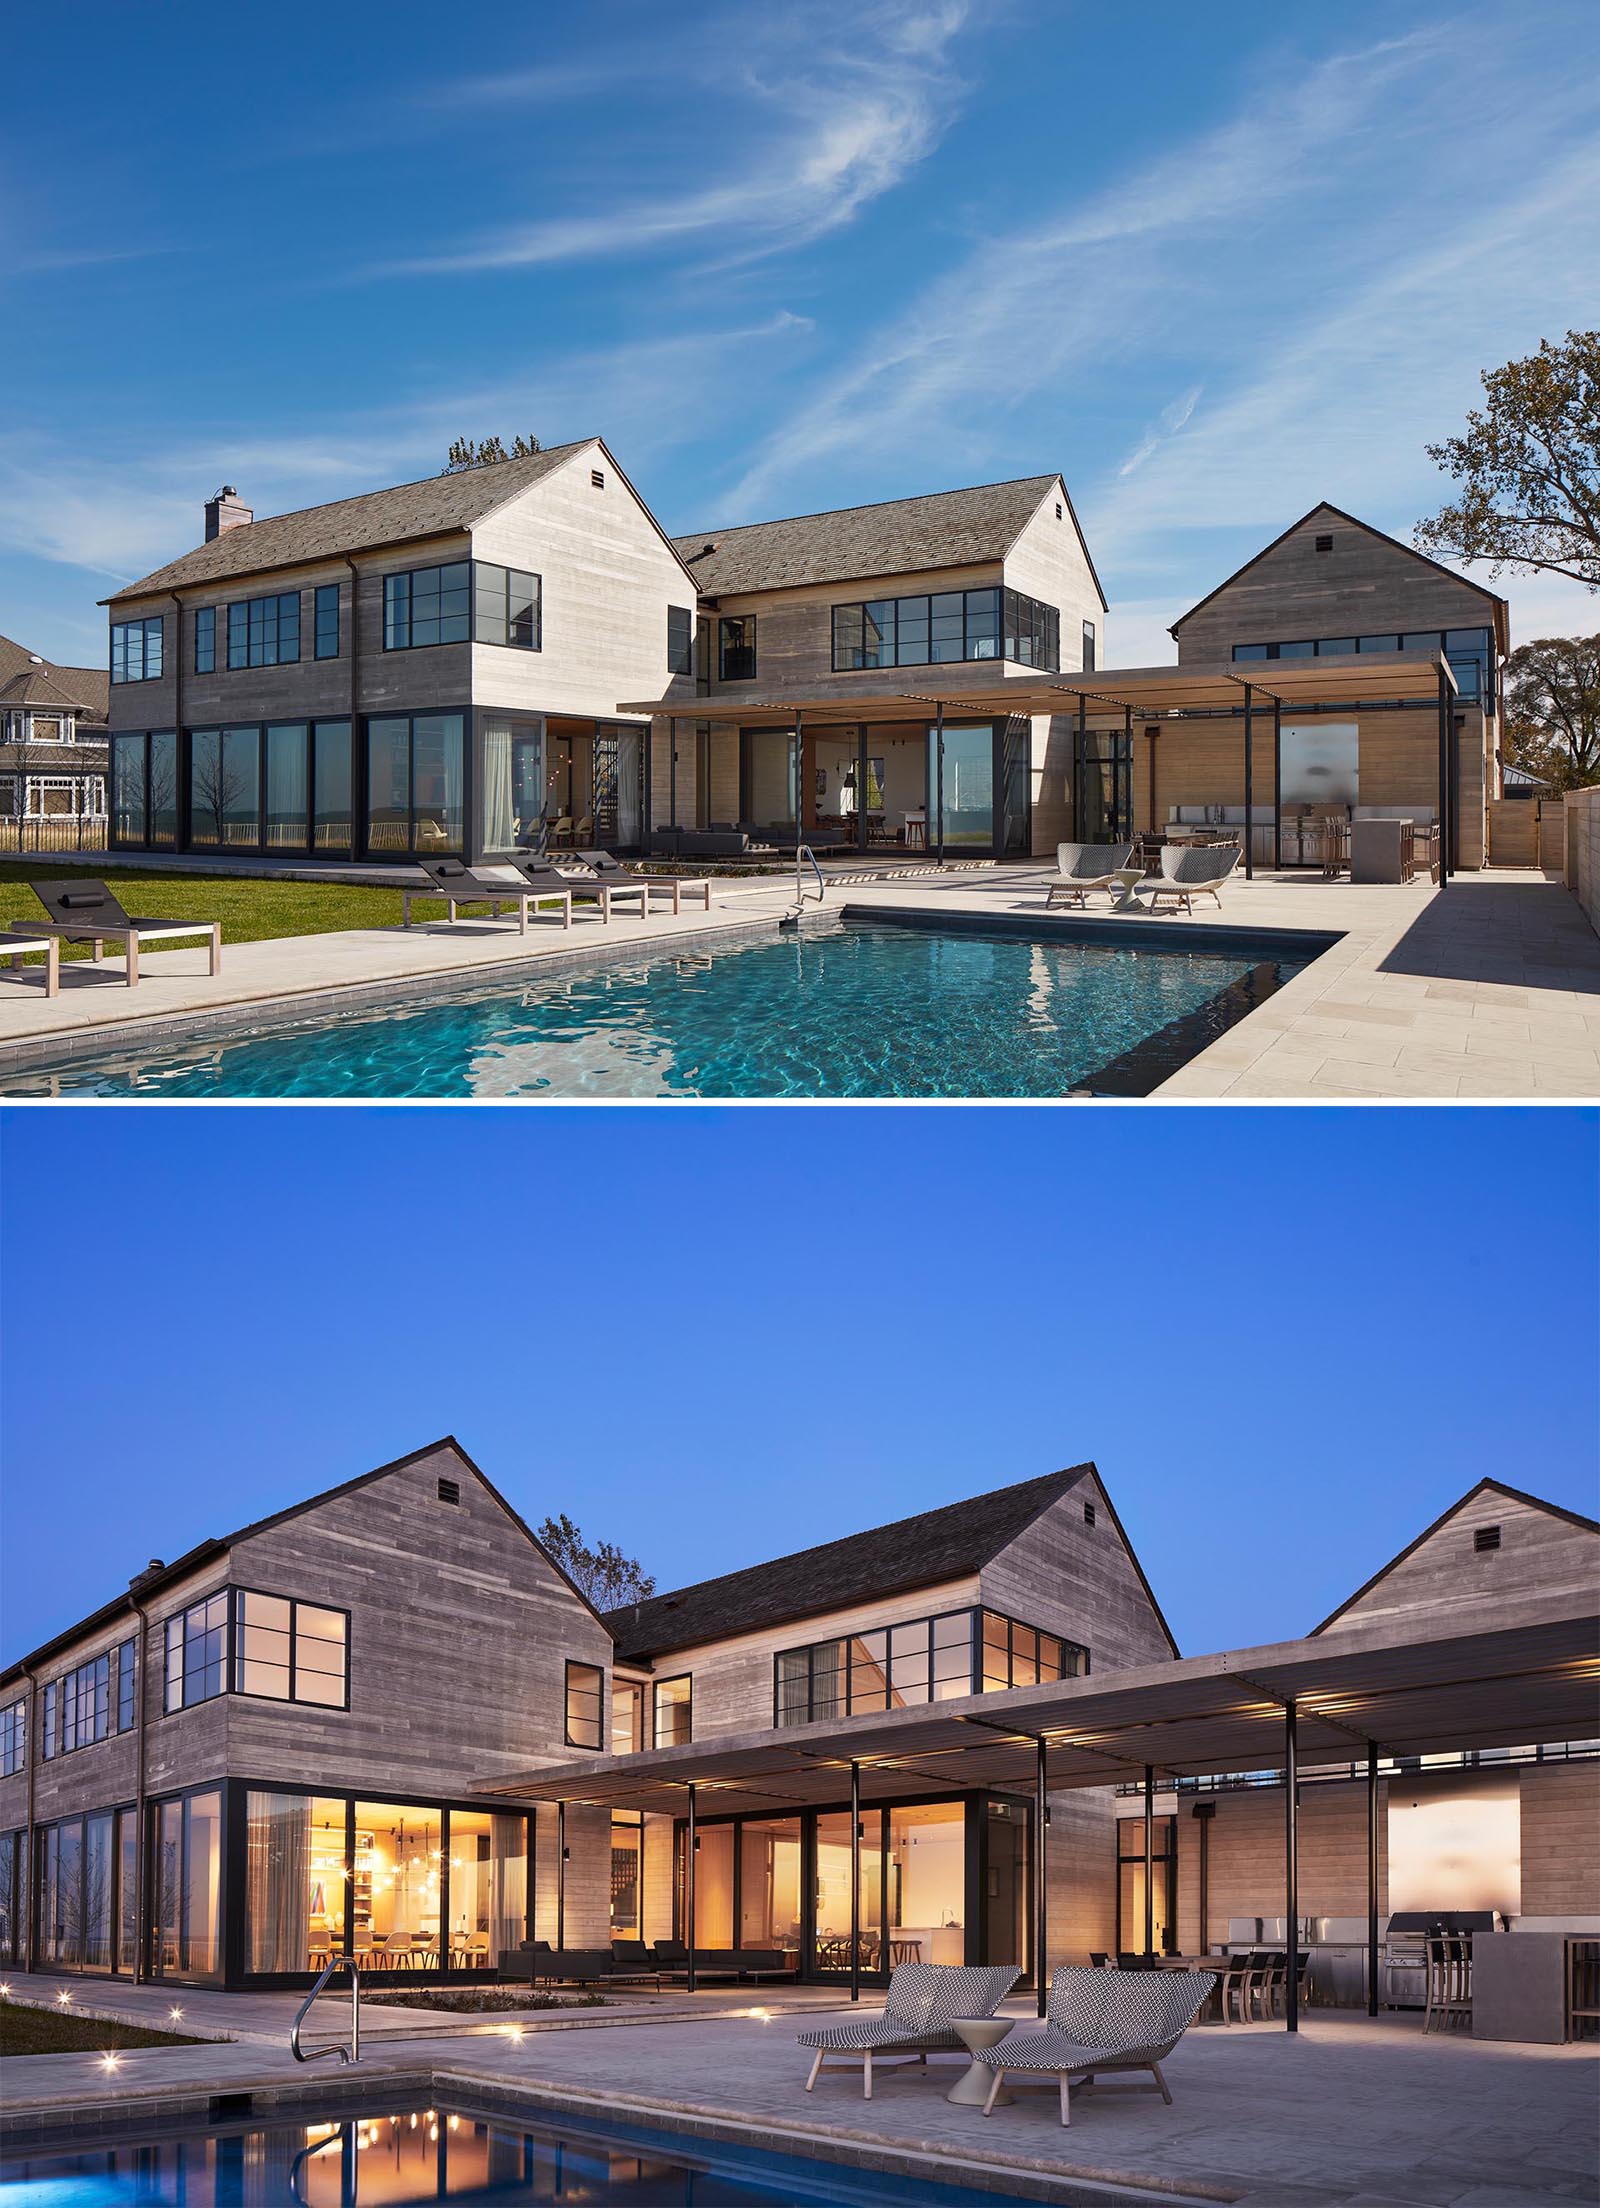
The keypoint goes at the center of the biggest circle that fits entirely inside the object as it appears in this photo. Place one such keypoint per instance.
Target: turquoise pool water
(854, 1011)
(436, 2155)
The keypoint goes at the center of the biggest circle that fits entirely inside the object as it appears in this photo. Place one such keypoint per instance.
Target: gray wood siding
(1079, 1580)
(1560, 1804)
(1246, 1868)
(1539, 1553)
(1362, 587)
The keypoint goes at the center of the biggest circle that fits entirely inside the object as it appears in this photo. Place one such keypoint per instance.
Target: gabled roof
(435, 506)
(86, 689)
(37, 688)
(146, 1584)
(900, 536)
(948, 1543)
(1484, 1487)
(1502, 633)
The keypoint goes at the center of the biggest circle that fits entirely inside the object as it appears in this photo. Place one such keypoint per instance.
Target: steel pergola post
(938, 748)
(1444, 780)
(1372, 1878)
(855, 1881)
(691, 1842)
(1291, 1864)
(1249, 778)
(1041, 1881)
(561, 1876)
(1149, 1859)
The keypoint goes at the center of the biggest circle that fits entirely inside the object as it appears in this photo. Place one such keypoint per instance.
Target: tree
(1552, 709)
(1529, 468)
(602, 1573)
(465, 453)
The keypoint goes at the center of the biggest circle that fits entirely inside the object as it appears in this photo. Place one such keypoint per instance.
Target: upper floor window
(264, 632)
(197, 1652)
(290, 1651)
(205, 640)
(326, 618)
(680, 640)
(917, 632)
(13, 1738)
(136, 649)
(736, 647)
(935, 1659)
(674, 1712)
(505, 606)
(585, 1699)
(91, 1702)
(468, 601)
(1089, 660)
(1033, 632)
(1469, 651)
(627, 1717)
(127, 1672)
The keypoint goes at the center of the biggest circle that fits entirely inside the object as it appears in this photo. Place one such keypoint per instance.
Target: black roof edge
(150, 1583)
(1492, 1486)
(1326, 506)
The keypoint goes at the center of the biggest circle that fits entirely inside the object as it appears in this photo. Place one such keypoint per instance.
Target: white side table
(972, 2089)
(1130, 877)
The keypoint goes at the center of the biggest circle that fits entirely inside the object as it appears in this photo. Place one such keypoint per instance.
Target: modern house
(53, 728)
(261, 1754)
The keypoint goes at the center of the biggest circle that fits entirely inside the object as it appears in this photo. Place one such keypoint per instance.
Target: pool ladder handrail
(352, 2053)
(341, 2137)
(804, 852)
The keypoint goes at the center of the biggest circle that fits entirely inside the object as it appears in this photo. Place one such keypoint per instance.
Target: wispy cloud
(842, 103)
(1167, 424)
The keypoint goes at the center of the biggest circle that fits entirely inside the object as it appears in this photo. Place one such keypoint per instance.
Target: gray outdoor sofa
(917, 2019)
(1101, 2020)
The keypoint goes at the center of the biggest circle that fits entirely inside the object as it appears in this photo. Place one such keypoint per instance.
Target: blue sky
(1214, 263)
(774, 1329)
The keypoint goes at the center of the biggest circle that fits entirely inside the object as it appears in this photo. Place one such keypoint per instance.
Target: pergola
(1527, 1678)
(1149, 693)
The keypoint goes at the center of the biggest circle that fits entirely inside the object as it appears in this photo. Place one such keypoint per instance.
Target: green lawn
(25, 2031)
(250, 910)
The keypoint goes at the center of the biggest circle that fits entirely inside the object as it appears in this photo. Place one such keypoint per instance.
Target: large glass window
(1131, 1887)
(967, 783)
(1469, 651)
(197, 1651)
(736, 648)
(1033, 631)
(429, 605)
(326, 615)
(136, 650)
(186, 1888)
(831, 1941)
(505, 607)
(205, 640)
(128, 789)
(289, 1651)
(916, 632)
(769, 1884)
(488, 1889)
(414, 784)
(680, 640)
(713, 1888)
(674, 1712)
(264, 632)
(287, 792)
(768, 775)
(396, 1886)
(585, 1700)
(225, 789)
(295, 1882)
(13, 1738)
(627, 1717)
(921, 1660)
(627, 1875)
(11, 1859)
(162, 785)
(332, 819)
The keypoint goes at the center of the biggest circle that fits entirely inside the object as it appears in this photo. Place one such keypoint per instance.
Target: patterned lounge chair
(1101, 2020)
(919, 2012)
(1190, 870)
(1086, 866)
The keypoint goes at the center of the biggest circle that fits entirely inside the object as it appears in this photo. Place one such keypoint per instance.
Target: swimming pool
(433, 2154)
(852, 1010)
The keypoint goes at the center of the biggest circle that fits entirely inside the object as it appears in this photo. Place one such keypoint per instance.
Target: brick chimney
(226, 511)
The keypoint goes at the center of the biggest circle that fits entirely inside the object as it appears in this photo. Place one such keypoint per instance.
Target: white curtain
(630, 787)
(508, 1908)
(499, 833)
(453, 810)
(277, 1880)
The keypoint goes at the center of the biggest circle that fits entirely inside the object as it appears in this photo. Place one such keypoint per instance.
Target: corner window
(1033, 632)
(264, 632)
(326, 614)
(197, 1650)
(136, 650)
(736, 648)
(680, 640)
(506, 607)
(585, 1698)
(430, 605)
(674, 1712)
(290, 1651)
(946, 625)
(13, 1738)
(205, 640)
(415, 784)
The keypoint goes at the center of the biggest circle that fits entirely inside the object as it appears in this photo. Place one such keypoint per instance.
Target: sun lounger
(1194, 870)
(918, 2017)
(462, 885)
(616, 876)
(14, 942)
(87, 912)
(587, 889)
(1086, 866)
(1101, 2020)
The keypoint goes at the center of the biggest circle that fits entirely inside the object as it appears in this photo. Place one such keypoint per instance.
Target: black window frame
(678, 1679)
(906, 630)
(251, 620)
(325, 621)
(635, 1690)
(680, 640)
(205, 640)
(122, 633)
(1091, 649)
(95, 1701)
(737, 661)
(480, 587)
(896, 1637)
(361, 785)
(1479, 656)
(14, 1737)
(574, 1739)
(483, 589)
(232, 1658)
(145, 738)
(332, 728)
(179, 1620)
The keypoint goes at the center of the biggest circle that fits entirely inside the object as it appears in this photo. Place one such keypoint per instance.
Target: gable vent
(1088, 1514)
(597, 476)
(1324, 544)
(1058, 509)
(1485, 1538)
(449, 1491)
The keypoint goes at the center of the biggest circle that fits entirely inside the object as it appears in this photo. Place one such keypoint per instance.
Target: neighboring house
(966, 589)
(301, 1710)
(1333, 587)
(426, 670)
(52, 741)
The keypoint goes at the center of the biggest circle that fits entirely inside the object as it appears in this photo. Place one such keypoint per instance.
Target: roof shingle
(938, 1544)
(900, 537)
(87, 689)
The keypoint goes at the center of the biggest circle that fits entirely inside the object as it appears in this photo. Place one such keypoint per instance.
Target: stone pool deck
(1487, 989)
(1349, 2114)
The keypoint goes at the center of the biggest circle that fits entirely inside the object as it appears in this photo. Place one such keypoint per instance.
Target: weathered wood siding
(1560, 1805)
(1539, 1553)
(1246, 1866)
(1079, 1580)
(1081, 1860)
